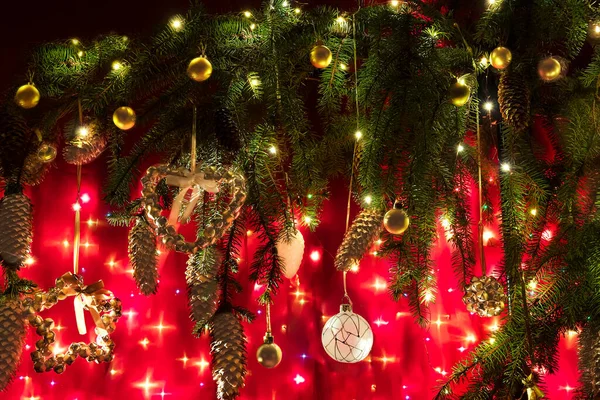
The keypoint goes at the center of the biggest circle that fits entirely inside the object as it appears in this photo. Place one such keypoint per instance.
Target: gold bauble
(459, 94)
(46, 152)
(199, 69)
(124, 118)
(549, 69)
(500, 57)
(396, 221)
(320, 56)
(269, 353)
(27, 96)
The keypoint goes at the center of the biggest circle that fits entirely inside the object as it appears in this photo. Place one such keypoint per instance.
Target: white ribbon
(186, 182)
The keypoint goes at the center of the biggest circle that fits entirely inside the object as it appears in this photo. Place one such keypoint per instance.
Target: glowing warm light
(254, 82)
(76, 207)
(491, 2)
(85, 198)
(368, 199)
(488, 106)
(160, 327)
(59, 328)
(438, 322)
(111, 263)
(494, 327)
(176, 23)
(252, 26)
(492, 340)
(386, 359)
(75, 41)
(379, 285)
(461, 349)
(532, 285)
(298, 293)
(378, 242)
(91, 222)
(302, 301)
(297, 10)
(29, 261)
(203, 364)
(380, 321)
(572, 333)
(65, 243)
(113, 371)
(80, 53)
(86, 245)
(483, 61)
(247, 14)
(460, 148)
(315, 255)
(547, 234)
(83, 131)
(358, 135)
(285, 3)
(158, 252)
(355, 267)
(487, 235)
(307, 219)
(567, 388)
(257, 286)
(273, 149)
(505, 167)
(299, 379)
(340, 20)
(343, 66)
(145, 342)
(116, 65)
(428, 296)
(471, 338)
(147, 385)
(249, 232)
(533, 211)
(440, 371)
(395, 3)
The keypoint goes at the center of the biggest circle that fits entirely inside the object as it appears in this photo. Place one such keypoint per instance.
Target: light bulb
(505, 167)
(247, 14)
(460, 148)
(273, 149)
(176, 23)
(116, 65)
(358, 135)
(488, 106)
(395, 3)
(297, 10)
(368, 199)
(83, 131)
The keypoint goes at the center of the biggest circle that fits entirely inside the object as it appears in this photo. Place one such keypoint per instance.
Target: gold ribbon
(533, 391)
(86, 298)
(186, 181)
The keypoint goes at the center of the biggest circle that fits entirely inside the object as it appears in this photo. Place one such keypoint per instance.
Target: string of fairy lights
(125, 117)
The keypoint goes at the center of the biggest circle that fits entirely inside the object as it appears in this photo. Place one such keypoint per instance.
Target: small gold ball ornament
(124, 118)
(269, 353)
(46, 152)
(320, 56)
(27, 96)
(549, 69)
(396, 221)
(199, 69)
(500, 57)
(459, 94)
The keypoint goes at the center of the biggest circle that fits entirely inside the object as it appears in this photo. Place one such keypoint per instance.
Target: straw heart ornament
(198, 179)
(104, 308)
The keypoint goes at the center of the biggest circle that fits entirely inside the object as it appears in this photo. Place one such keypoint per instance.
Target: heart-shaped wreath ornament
(208, 178)
(102, 305)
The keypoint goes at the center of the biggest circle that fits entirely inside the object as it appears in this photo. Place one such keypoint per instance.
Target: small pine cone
(16, 227)
(228, 350)
(364, 230)
(12, 339)
(227, 132)
(595, 367)
(514, 100)
(142, 257)
(84, 152)
(201, 278)
(34, 171)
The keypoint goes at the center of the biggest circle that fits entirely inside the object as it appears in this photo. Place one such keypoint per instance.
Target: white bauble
(347, 337)
(291, 252)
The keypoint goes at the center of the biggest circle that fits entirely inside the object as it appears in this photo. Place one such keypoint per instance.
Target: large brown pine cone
(143, 257)
(228, 350)
(201, 278)
(514, 100)
(16, 227)
(364, 230)
(12, 339)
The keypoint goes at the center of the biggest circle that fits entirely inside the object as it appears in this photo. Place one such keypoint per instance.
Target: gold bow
(187, 180)
(86, 298)
(533, 391)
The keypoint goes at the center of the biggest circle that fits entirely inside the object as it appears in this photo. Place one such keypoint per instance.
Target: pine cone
(514, 100)
(595, 367)
(34, 171)
(142, 257)
(16, 227)
(364, 230)
(227, 132)
(228, 350)
(12, 339)
(85, 152)
(201, 278)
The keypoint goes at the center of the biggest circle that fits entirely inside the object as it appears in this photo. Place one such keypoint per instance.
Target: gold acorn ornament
(395, 220)
(199, 69)
(459, 93)
(269, 353)
(320, 56)
(124, 118)
(549, 69)
(500, 57)
(27, 96)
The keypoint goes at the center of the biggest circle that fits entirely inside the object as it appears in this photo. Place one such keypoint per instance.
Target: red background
(406, 361)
